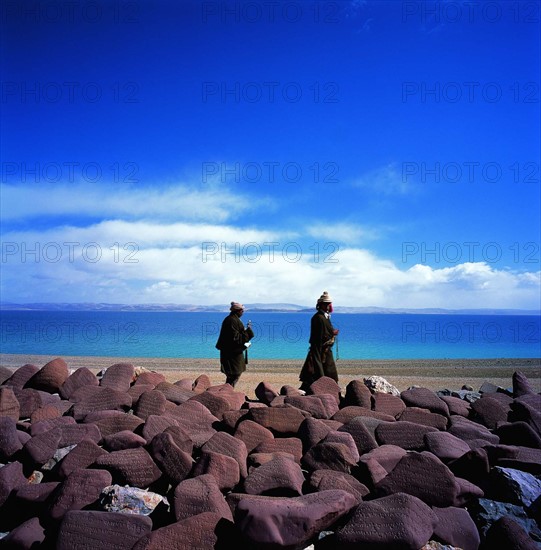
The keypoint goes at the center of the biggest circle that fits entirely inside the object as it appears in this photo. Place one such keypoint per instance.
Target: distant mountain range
(259, 307)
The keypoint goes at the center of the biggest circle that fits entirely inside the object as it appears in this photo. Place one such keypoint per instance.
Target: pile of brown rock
(125, 459)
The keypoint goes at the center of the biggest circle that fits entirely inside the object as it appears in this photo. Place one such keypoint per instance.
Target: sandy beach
(435, 374)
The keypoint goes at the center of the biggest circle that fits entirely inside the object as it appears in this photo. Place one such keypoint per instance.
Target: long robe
(233, 336)
(320, 360)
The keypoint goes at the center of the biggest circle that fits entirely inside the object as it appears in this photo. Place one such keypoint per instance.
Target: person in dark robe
(320, 361)
(233, 341)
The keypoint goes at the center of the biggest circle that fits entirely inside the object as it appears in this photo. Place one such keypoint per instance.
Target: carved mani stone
(95, 530)
(395, 521)
(290, 522)
(118, 377)
(130, 467)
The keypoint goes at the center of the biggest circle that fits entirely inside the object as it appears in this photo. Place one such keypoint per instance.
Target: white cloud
(385, 180)
(174, 202)
(168, 266)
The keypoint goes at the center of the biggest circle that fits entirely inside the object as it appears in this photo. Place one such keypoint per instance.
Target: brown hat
(324, 297)
(235, 306)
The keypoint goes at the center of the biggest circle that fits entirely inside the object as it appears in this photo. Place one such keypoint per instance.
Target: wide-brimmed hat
(324, 297)
(235, 306)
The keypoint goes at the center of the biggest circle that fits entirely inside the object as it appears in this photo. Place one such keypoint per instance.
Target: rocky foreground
(125, 459)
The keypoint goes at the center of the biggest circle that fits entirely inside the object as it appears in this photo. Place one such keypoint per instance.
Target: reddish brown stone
(225, 469)
(425, 399)
(200, 531)
(396, 521)
(521, 384)
(375, 465)
(228, 445)
(80, 377)
(424, 476)
(466, 492)
(489, 412)
(174, 462)
(279, 476)
(518, 433)
(74, 433)
(50, 377)
(82, 456)
(103, 398)
(235, 399)
(257, 459)
(174, 393)
(42, 447)
(118, 377)
(125, 439)
(21, 376)
(29, 400)
(214, 403)
(151, 378)
(290, 445)
(197, 495)
(185, 384)
(345, 438)
(27, 535)
(404, 434)
(323, 480)
(157, 424)
(467, 430)
(133, 467)
(231, 419)
(5, 374)
(445, 445)
(308, 403)
(196, 420)
(269, 522)
(44, 413)
(201, 383)
(45, 425)
(265, 393)
(312, 431)
(281, 420)
(150, 403)
(325, 385)
(456, 405)
(331, 456)
(348, 413)
(135, 392)
(416, 415)
(118, 422)
(387, 403)
(357, 394)
(11, 478)
(290, 390)
(89, 529)
(361, 436)
(252, 434)
(9, 404)
(81, 488)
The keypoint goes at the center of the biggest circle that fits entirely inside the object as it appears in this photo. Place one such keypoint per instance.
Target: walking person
(320, 361)
(233, 342)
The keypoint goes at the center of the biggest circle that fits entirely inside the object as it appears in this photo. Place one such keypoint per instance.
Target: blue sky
(203, 152)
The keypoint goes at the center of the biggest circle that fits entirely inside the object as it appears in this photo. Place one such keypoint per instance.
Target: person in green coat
(233, 341)
(320, 361)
